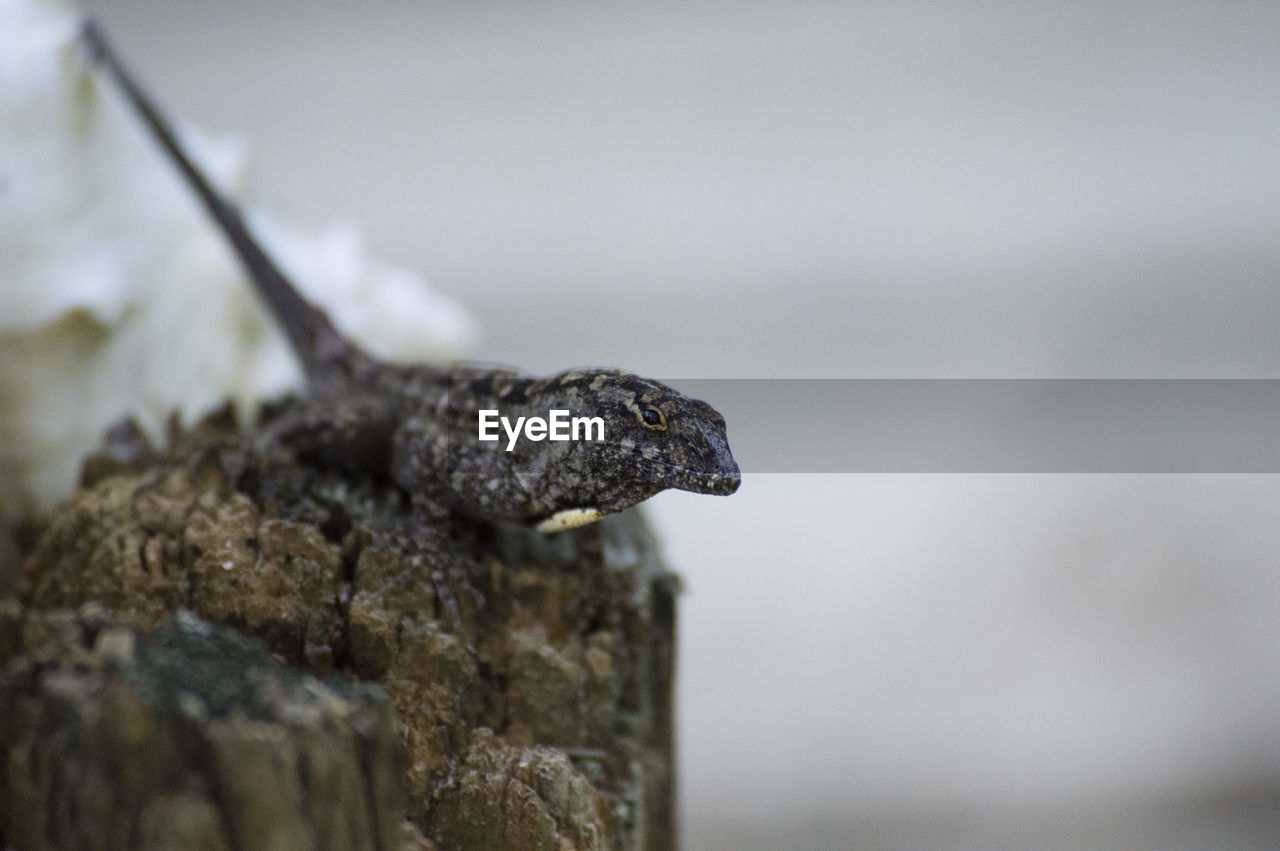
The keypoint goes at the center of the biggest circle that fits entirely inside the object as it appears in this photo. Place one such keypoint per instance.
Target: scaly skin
(417, 424)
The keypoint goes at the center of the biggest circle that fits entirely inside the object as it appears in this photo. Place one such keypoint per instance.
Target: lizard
(416, 424)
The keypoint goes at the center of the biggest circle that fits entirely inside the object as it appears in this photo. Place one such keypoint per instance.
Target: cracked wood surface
(530, 676)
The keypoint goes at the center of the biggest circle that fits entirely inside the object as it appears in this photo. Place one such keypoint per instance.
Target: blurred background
(823, 189)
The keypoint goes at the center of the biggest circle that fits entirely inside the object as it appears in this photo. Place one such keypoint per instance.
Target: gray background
(748, 190)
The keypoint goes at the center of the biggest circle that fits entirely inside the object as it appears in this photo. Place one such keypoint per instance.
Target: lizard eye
(652, 418)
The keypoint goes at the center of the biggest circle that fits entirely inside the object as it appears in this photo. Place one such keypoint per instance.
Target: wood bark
(208, 646)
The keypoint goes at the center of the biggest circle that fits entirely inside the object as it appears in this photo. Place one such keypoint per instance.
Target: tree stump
(529, 677)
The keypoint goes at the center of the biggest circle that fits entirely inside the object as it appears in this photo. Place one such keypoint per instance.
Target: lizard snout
(722, 476)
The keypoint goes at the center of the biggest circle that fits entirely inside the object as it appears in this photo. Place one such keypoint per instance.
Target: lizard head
(654, 438)
(669, 437)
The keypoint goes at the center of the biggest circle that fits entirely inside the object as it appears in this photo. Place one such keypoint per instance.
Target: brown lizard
(421, 425)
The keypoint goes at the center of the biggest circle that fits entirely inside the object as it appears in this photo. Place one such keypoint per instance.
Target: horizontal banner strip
(998, 425)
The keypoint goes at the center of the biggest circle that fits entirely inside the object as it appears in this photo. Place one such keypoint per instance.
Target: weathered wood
(531, 675)
(187, 736)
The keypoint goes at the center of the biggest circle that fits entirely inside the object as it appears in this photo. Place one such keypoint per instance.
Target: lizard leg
(353, 435)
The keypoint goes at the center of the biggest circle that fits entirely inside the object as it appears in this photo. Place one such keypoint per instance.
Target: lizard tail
(326, 356)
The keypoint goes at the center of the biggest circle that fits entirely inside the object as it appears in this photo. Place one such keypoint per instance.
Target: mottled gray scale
(422, 420)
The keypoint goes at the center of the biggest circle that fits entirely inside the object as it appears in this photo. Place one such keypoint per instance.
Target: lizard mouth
(716, 485)
(720, 483)
(717, 474)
